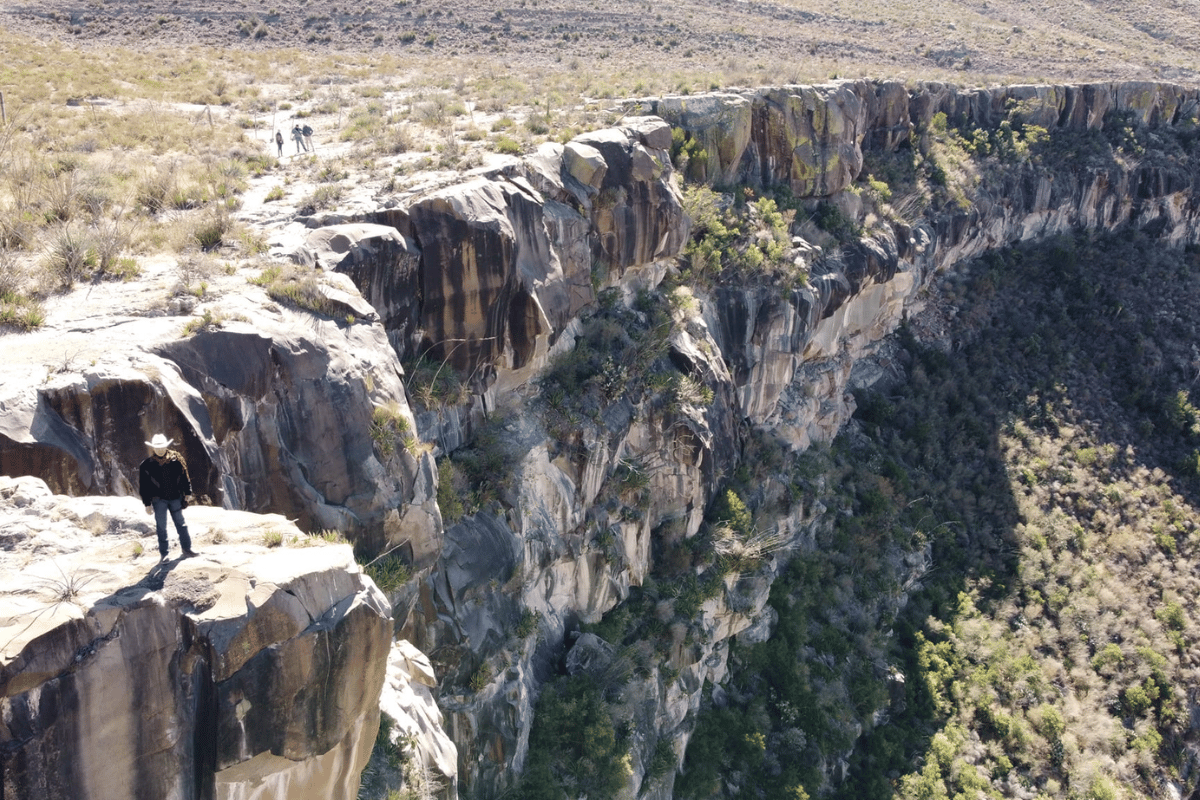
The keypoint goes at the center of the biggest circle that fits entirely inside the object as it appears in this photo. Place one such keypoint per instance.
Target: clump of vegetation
(434, 384)
(324, 197)
(17, 308)
(295, 287)
(734, 238)
(689, 156)
(450, 492)
(208, 320)
(574, 746)
(481, 677)
(389, 572)
(391, 432)
(1048, 491)
(528, 623)
(477, 474)
(620, 356)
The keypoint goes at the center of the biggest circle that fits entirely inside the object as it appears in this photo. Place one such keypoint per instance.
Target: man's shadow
(153, 581)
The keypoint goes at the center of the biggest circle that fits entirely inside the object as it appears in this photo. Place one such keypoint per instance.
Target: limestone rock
(585, 164)
(381, 260)
(492, 276)
(783, 360)
(250, 671)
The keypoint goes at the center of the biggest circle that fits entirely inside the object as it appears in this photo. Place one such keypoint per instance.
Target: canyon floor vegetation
(1049, 462)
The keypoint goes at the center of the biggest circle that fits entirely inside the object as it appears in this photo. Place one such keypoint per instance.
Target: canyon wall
(512, 281)
(568, 541)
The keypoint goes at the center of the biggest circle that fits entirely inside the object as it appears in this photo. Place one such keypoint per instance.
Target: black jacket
(166, 478)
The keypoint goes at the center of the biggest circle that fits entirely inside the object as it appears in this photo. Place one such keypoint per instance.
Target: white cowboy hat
(160, 442)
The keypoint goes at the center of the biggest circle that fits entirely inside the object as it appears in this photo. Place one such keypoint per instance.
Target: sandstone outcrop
(410, 699)
(502, 263)
(252, 671)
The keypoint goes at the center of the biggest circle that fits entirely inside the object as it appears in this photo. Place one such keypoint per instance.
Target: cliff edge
(251, 671)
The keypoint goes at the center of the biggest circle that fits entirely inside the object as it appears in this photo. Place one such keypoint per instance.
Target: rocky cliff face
(271, 406)
(251, 671)
(597, 504)
(612, 394)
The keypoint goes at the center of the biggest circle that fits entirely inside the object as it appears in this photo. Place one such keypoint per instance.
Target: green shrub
(481, 677)
(731, 509)
(448, 495)
(508, 146)
(299, 288)
(434, 384)
(70, 255)
(17, 309)
(324, 197)
(206, 321)
(1171, 614)
(528, 623)
(831, 219)
(574, 748)
(389, 572)
(486, 465)
(20, 312)
(663, 760)
(390, 431)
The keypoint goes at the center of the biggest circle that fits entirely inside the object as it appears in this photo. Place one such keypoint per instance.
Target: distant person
(279, 142)
(308, 132)
(164, 485)
(298, 135)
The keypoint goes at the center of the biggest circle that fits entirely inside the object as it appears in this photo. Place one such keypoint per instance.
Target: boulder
(384, 263)
(410, 698)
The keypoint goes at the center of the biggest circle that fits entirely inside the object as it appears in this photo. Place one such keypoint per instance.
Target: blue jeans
(160, 523)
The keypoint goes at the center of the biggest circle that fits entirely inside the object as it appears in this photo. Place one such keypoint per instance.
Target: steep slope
(616, 376)
(681, 377)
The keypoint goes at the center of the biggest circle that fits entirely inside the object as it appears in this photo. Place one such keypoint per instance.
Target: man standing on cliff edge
(164, 485)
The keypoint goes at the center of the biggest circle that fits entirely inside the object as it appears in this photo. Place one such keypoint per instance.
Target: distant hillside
(689, 44)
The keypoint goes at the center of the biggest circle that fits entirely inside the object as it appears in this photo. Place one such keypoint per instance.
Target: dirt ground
(969, 41)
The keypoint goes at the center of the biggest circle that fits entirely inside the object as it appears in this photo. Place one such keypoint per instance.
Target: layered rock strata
(274, 409)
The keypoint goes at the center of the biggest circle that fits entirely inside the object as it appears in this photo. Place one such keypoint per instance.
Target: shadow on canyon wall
(1042, 443)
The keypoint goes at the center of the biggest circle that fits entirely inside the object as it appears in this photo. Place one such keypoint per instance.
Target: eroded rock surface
(271, 406)
(569, 542)
(495, 278)
(506, 260)
(251, 671)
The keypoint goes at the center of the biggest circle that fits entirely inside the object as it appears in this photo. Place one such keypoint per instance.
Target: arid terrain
(992, 564)
(699, 45)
